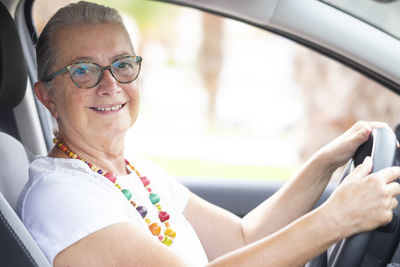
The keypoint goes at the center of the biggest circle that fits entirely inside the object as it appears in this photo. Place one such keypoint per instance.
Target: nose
(108, 85)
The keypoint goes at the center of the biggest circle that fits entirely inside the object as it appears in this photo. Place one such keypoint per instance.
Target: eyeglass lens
(87, 75)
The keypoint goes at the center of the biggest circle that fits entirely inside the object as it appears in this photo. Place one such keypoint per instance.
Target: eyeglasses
(87, 75)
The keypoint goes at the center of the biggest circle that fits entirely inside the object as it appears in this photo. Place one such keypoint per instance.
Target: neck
(107, 154)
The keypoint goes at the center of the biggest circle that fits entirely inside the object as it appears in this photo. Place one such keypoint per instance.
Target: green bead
(167, 241)
(127, 193)
(154, 198)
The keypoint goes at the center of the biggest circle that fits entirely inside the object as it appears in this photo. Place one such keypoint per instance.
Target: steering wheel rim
(352, 251)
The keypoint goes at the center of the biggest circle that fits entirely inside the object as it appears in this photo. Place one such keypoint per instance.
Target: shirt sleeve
(180, 193)
(60, 209)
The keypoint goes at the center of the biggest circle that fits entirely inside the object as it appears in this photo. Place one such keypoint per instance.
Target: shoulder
(62, 182)
(62, 203)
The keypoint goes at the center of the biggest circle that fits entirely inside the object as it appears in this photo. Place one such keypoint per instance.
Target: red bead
(149, 189)
(145, 181)
(163, 216)
(110, 176)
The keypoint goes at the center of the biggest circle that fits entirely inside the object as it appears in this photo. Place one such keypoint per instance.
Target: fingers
(362, 130)
(371, 124)
(361, 135)
(389, 174)
(393, 188)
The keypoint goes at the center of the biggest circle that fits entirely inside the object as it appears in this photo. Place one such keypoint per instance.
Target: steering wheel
(376, 247)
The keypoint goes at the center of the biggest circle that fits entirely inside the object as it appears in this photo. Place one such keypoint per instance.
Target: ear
(42, 92)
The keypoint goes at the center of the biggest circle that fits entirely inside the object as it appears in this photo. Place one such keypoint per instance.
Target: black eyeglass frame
(50, 77)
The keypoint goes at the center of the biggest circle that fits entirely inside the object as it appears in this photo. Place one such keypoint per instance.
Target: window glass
(224, 99)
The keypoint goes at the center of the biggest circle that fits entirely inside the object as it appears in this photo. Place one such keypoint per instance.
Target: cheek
(134, 96)
(73, 104)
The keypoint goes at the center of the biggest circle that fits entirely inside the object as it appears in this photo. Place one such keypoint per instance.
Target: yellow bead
(147, 220)
(70, 154)
(74, 156)
(170, 232)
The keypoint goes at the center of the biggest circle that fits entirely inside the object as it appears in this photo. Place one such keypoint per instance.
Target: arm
(293, 200)
(228, 232)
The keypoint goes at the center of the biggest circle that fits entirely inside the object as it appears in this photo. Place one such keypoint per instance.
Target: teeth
(109, 109)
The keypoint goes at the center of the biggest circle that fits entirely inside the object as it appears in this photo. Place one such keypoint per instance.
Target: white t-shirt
(64, 201)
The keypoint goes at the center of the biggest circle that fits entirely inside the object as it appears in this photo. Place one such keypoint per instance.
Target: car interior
(26, 126)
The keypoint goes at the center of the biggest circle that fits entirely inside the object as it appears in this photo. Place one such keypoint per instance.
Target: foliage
(183, 167)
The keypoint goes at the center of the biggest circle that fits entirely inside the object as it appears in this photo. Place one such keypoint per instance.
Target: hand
(364, 201)
(340, 150)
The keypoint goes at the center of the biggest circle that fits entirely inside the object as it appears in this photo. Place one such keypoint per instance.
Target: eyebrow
(92, 59)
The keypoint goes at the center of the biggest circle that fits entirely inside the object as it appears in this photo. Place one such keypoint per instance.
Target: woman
(87, 206)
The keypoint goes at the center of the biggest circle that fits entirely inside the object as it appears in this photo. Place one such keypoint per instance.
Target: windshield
(382, 14)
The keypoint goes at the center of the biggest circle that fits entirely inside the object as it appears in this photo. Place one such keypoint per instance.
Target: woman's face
(86, 112)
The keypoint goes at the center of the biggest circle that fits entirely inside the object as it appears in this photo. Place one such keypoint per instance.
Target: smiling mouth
(113, 108)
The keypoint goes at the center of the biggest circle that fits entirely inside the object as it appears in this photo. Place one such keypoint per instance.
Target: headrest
(13, 73)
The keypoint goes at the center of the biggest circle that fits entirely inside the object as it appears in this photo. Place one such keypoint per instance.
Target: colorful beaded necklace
(155, 229)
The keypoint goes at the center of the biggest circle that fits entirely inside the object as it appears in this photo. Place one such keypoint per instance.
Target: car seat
(18, 248)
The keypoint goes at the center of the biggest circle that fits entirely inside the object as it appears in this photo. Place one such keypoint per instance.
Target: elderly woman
(86, 205)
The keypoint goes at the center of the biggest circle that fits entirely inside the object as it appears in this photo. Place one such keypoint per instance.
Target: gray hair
(72, 15)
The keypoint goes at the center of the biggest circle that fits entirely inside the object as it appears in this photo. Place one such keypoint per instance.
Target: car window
(383, 14)
(224, 99)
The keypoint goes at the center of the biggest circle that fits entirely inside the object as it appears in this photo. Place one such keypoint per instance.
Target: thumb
(363, 169)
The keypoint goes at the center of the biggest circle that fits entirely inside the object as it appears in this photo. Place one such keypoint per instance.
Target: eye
(121, 65)
(79, 70)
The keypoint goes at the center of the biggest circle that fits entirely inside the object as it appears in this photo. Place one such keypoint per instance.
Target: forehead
(100, 42)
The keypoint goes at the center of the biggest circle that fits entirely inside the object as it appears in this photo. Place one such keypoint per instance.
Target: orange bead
(155, 229)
